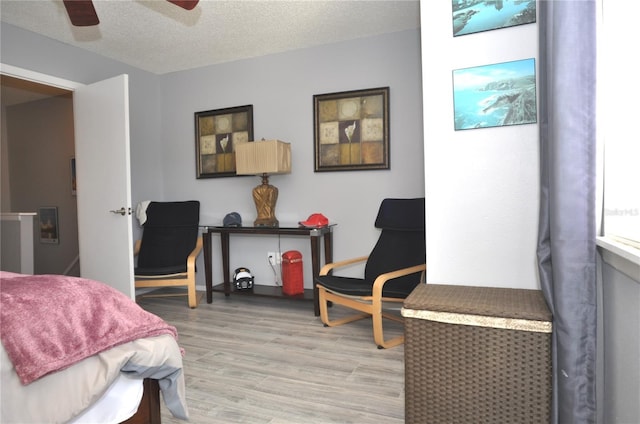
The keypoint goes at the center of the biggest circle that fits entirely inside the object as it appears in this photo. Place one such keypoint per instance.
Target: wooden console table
(315, 236)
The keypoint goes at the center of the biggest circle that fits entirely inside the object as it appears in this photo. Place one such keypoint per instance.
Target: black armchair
(395, 266)
(169, 247)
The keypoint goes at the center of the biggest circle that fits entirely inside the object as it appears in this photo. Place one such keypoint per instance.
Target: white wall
(482, 184)
(281, 87)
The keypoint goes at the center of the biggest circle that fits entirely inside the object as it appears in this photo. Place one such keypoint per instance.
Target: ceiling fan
(82, 12)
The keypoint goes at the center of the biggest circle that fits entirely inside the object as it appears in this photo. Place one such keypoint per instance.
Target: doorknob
(122, 211)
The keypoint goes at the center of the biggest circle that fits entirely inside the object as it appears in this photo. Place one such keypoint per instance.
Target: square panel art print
(351, 130)
(217, 133)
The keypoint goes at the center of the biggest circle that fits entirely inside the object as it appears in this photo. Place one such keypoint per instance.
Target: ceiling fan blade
(81, 12)
(185, 4)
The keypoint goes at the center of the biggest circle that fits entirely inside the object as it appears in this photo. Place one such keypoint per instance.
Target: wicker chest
(477, 355)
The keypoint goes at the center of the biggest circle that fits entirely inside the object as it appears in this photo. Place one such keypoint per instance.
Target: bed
(75, 350)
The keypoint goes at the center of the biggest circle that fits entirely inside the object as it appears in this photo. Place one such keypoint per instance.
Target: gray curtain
(567, 230)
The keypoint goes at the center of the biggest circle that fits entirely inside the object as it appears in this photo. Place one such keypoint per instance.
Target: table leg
(328, 256)
(315, 266)
(328, 247)
(206, 242)
(224, 239)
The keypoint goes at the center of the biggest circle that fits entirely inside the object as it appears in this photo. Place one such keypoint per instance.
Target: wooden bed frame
(149, 409)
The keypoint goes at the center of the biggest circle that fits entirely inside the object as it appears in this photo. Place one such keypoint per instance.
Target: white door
(101, 119)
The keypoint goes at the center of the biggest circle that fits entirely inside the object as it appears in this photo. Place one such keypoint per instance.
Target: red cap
(315, 220)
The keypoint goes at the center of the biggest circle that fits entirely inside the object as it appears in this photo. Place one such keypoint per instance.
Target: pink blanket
(49, 322)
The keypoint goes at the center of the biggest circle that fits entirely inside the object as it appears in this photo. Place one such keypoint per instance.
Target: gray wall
(40, 145)
(28, 50)
(619, 337)
(281, 88)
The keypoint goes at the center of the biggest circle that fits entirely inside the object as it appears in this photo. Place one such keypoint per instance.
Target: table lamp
(264, 158)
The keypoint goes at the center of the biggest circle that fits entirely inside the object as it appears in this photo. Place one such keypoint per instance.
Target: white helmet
(242, 279)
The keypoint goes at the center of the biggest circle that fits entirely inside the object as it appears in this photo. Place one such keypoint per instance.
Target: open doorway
(37, 168)
(101, 137)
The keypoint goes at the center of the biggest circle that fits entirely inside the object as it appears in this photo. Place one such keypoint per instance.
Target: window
(618, 123)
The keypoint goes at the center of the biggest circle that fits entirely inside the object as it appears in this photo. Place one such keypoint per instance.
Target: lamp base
(271, 223)
(265, 197)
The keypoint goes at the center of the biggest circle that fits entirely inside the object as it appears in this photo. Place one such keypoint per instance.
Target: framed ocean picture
(495, 95)
(471, 16)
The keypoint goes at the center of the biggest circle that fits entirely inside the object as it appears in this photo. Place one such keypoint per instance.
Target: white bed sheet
(61, 396)
(119, 403)
(65, 362)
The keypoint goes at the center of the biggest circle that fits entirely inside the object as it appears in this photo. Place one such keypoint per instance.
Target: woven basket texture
(463, 374)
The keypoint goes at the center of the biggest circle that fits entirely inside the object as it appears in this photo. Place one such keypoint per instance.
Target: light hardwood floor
(262, 360)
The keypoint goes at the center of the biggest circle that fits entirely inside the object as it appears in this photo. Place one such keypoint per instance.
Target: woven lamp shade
(263, 157)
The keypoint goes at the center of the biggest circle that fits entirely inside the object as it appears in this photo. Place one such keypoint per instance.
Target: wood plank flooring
(264, 360)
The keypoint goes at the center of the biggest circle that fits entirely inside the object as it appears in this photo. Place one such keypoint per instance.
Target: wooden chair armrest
(328, 267)
(382, 279)
(191, 259)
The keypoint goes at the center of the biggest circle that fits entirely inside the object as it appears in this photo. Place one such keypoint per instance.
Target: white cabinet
(17, 242)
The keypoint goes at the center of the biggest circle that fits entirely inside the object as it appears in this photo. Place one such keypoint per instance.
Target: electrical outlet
(274, 258)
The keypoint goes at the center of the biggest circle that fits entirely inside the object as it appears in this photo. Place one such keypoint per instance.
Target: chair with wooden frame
(395, 266)
(169, 247)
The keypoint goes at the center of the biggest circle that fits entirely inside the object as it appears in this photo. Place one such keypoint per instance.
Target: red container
(292, 281)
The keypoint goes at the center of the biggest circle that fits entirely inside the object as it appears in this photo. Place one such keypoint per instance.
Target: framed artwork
(495, 95)
(48, 217)
(471, 16)
(217, 133)
(351, 130)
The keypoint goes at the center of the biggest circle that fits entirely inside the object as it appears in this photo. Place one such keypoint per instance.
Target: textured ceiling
(160, 37)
